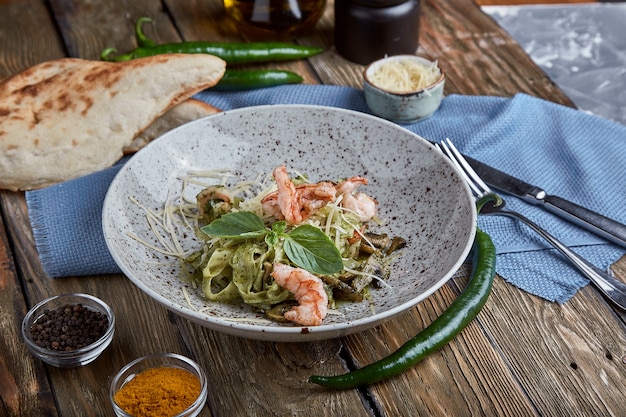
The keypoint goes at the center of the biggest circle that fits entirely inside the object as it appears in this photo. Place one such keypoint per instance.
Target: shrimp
(296, 203)
(213, 201)
(360, 203)
(308, 291)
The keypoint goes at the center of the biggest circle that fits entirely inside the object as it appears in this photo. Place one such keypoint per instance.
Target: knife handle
(609, 229)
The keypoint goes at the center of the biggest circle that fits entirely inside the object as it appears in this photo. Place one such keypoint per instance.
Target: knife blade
(602, 226)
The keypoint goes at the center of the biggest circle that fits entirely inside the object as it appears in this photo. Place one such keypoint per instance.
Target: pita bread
(180, 114)
(70, 117)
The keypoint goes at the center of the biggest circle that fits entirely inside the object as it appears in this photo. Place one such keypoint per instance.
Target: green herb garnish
(306, 246)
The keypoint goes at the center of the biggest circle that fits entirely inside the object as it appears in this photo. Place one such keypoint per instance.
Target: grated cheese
(404, 75)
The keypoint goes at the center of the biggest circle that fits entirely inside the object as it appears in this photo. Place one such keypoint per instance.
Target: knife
(605, 227)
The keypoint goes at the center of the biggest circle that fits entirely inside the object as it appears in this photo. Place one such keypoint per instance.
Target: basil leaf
(311, 249)
(272, 238)
(279, 227)
(237, 225)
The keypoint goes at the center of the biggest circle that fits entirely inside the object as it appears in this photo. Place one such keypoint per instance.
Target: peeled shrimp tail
(360, 203)
(308, 290)
(296, 203)
(287, 197)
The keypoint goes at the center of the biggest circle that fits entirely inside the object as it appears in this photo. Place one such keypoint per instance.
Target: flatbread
(66, 118)
(180, 114)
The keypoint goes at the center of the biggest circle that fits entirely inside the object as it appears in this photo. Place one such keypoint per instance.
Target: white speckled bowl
(405, 107)
(420, 194)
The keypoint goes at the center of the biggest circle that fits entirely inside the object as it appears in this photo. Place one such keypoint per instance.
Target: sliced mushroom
(341, 290)
(277, 312)
(375, 266)
(397, 243)
(374, 242)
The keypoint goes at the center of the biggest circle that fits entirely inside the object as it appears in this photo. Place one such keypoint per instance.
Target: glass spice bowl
(90, 308)
(145, 363)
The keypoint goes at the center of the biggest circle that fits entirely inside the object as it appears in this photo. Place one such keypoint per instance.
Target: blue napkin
(575, 155)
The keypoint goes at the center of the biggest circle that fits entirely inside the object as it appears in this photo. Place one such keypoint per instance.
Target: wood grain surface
(522, 356)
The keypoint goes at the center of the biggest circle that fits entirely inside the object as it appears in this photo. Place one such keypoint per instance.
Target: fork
(613, 289)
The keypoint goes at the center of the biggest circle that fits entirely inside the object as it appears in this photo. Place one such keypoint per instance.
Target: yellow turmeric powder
(159, 392)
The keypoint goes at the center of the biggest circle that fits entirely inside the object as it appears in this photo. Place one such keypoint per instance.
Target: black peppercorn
(68, 328)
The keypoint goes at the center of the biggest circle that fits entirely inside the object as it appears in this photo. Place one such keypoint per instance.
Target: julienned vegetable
(248, 79)
(231, 52)
(460, 313)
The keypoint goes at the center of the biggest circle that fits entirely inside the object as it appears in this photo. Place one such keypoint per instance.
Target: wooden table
(521, 356)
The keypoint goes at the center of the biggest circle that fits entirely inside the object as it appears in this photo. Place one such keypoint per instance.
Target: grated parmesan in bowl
(404, 74)
(403, 88)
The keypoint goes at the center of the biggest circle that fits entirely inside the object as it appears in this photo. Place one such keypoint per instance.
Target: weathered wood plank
(619, 268)
(27, 36)
(583, 337)
(255, 378)
(24, 388)
(203, 20)
(90, 27)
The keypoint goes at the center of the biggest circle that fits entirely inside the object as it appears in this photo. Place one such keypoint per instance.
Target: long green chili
(460, 313)
(248, 79)
(142, 40)
(231, 52)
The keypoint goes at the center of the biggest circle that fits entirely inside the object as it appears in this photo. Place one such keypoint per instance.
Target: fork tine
(457, 157)
(444, 149)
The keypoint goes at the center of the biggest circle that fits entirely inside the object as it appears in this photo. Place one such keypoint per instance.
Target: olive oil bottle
(274, 19)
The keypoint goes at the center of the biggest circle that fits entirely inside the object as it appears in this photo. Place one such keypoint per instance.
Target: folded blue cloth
(569, 153)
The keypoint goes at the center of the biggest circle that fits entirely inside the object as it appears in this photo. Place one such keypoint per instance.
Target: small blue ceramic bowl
(393, 89)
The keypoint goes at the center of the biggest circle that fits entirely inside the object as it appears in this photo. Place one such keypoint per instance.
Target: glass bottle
(275, 19)
(367, 30)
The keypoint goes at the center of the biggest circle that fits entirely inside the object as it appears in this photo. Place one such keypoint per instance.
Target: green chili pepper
(460, 313)
(142, 39)
(231, 52)
(248, 79)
